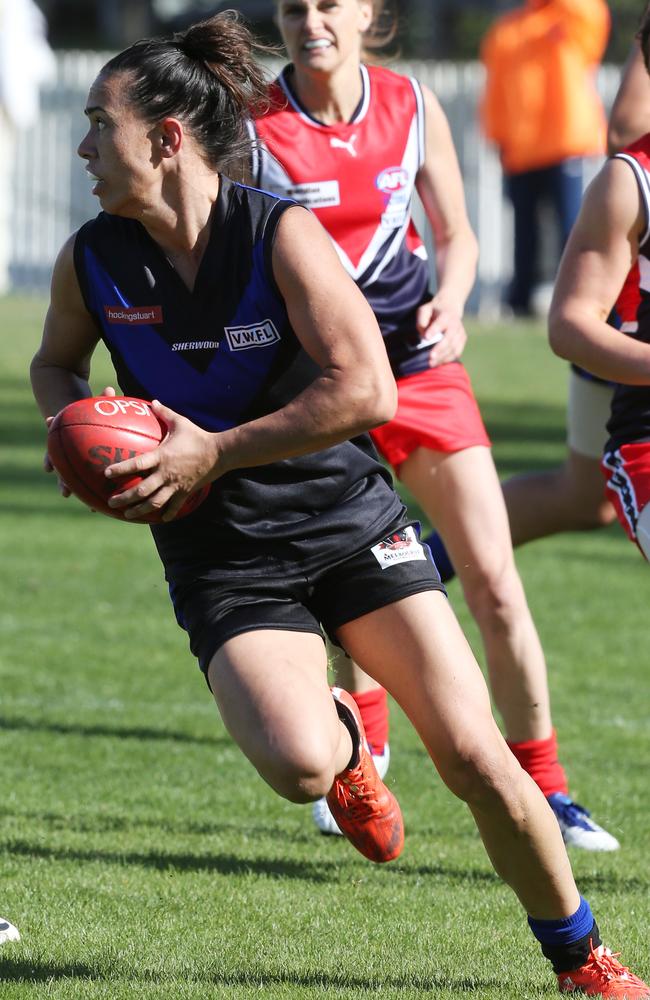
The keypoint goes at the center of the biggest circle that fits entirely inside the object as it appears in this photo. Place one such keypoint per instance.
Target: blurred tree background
(439, 29)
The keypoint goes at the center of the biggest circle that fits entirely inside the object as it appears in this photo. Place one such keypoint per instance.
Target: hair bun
(189, 45)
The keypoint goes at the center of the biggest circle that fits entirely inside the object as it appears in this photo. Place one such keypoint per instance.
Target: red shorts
(436, 409)
(627, 472)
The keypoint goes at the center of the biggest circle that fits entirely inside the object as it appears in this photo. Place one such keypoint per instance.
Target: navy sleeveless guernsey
(221, 355)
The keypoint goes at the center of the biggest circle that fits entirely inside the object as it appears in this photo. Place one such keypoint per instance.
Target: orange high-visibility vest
(540, 104)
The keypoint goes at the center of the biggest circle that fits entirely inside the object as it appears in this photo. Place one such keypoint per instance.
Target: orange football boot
(367, 813)
(603, 976)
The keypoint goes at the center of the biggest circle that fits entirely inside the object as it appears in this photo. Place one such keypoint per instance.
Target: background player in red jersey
(610, 245)
(571, 496)
(353, 142)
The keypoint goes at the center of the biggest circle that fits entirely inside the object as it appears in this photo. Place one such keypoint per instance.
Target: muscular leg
(416, 649)
(460, 493)
(349, 674)
(271, 689)
(372, 703)
(569, 497)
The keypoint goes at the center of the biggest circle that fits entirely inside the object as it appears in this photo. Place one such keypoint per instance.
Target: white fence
(51, 193)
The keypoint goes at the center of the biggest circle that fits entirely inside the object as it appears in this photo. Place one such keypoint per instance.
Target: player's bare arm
(354, 391)
(601, 249)
(440, 187)
(61, 366)
(337, 328)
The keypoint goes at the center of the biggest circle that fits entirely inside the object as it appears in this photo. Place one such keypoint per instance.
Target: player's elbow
(616, 139)
(385, 402)
(560, 332)
(38, 370)
(380, 402)
(621, 132)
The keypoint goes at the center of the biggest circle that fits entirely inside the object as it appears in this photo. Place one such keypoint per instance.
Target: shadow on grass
(325, 982)
(102, 823)
(612, 881)
(446, 873)
(319, 872)
(111, 732)
(20, 971)
(221, 864)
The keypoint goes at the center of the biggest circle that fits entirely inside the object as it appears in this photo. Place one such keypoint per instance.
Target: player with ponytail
(267, 365)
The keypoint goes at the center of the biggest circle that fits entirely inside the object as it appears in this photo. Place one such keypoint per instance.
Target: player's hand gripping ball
(88, 435)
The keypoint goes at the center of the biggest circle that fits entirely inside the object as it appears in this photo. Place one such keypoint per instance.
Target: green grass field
(141, 856)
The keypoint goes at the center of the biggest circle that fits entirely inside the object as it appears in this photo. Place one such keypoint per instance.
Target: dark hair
(643, 35)
(207, 77)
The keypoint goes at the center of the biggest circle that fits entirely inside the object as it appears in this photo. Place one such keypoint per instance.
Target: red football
(90, 434)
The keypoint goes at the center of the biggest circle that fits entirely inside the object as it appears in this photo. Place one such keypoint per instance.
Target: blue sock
(440, 557)
(566, 942)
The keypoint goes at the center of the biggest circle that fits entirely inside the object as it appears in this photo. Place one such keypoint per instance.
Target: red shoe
(366, 812)
(603, 976)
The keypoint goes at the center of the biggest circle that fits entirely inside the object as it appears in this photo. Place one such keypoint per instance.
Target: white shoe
(8, 932)
(577, 826)
(321, 811)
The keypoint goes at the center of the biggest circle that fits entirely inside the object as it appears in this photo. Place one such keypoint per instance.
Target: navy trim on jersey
(359, 113)
(644, 190)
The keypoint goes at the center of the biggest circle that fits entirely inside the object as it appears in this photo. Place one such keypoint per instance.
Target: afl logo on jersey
(243, 338)
(392, 179)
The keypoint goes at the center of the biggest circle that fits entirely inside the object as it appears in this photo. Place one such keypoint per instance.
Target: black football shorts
(395, 566)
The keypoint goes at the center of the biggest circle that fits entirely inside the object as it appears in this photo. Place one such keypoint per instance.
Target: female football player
(609, 249)
(353, 142)
(268, 370)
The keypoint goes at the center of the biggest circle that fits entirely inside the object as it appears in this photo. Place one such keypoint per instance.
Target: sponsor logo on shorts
(243, 338)
(398, 547)
(133, 315)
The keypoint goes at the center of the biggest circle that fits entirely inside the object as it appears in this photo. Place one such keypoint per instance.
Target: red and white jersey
(630, 419)
(358, 178)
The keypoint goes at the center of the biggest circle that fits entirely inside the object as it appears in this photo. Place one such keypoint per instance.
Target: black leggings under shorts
(395, 566)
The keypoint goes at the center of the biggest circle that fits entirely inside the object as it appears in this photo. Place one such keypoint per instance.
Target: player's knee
(592, 511)
(484, 774)
(582, 488)
(601, 515)
(495, 597)
(303, 776)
